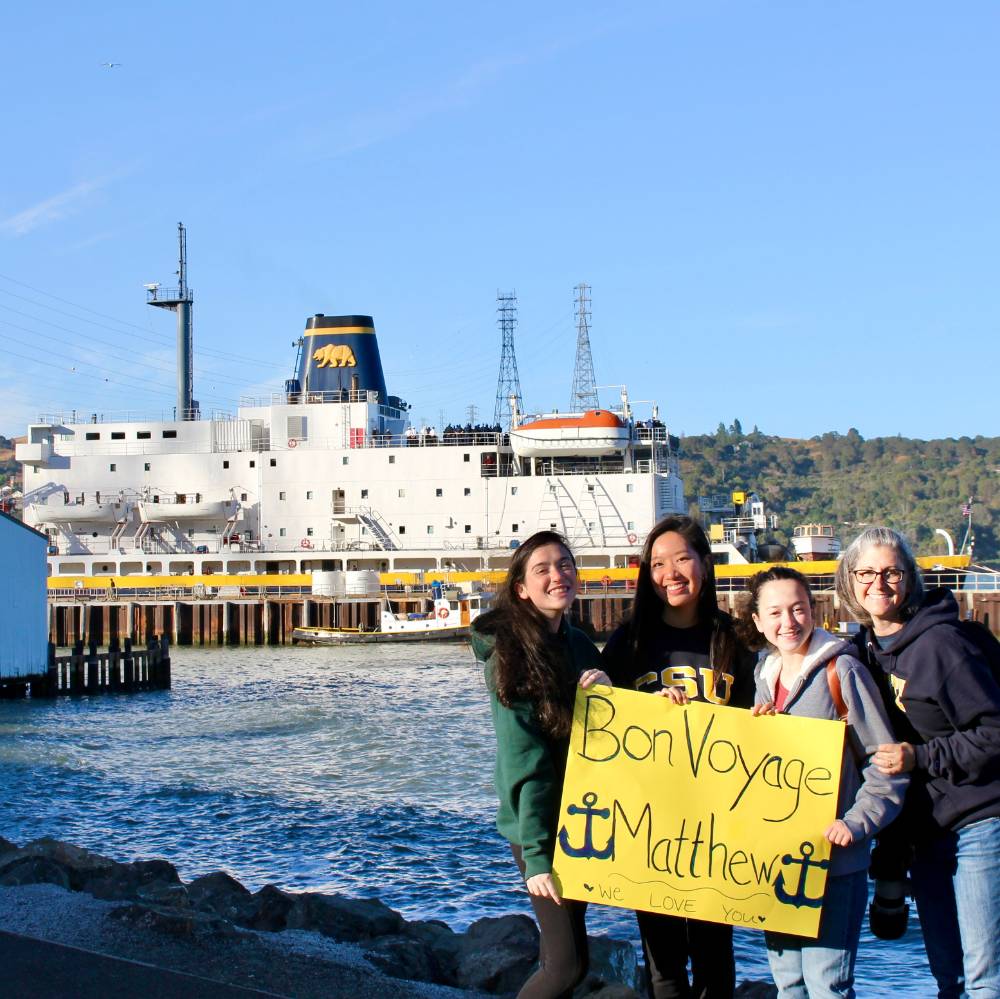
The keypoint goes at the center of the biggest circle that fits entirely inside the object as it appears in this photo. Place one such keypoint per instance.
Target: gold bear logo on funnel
(334, 355)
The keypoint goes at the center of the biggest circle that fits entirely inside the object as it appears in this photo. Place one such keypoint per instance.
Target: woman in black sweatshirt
(676, 642)
(949, 726)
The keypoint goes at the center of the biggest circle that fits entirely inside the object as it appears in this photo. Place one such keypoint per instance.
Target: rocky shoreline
(298, 944)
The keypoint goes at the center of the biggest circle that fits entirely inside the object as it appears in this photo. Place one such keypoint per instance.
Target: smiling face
(784, 615)
(883, 601)
(677, 573)
(549, 582)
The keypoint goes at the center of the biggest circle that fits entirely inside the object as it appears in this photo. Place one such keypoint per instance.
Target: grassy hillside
(845, 480)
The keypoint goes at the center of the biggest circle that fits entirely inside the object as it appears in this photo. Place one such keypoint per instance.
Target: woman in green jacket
(534, 661)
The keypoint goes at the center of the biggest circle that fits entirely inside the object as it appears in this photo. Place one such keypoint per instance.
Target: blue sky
(788, 212)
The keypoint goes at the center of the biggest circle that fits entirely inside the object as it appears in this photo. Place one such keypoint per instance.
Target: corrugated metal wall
(24, 631)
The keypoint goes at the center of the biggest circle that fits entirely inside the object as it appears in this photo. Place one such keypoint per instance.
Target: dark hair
(647, 607)
(879, 537)
(526, 665)
(748, 631)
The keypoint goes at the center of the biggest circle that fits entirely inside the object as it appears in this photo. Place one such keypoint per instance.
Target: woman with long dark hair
(534, 661)
(677, 643)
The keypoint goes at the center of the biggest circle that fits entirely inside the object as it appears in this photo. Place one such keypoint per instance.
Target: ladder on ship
(230, 528)
(558, 507)
(611, 527)
(116, 534)
(378, 528)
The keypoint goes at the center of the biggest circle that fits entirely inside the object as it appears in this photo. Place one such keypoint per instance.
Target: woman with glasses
(947, 717)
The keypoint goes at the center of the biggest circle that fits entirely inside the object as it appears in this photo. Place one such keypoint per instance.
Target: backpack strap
(836, 694)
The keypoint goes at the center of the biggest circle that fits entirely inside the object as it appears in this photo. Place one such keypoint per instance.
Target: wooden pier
(265, 619)
(121, 668)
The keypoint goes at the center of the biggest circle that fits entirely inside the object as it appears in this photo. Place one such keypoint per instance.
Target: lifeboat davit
(594, 432)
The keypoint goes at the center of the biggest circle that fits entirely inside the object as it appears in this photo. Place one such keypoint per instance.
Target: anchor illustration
(799, 898)
(588, 849)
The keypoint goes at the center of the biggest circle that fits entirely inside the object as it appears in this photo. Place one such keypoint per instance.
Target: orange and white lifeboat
(594, 432)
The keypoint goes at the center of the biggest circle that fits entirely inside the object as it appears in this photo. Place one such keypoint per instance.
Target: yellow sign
(700, 811)
(334, 355)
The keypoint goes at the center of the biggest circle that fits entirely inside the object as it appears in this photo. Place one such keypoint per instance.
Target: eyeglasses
(867, 576)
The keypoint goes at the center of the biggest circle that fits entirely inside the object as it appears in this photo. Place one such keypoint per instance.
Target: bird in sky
(110, 65)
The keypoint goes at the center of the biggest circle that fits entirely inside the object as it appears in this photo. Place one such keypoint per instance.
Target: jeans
(823, 968)
(956, 885)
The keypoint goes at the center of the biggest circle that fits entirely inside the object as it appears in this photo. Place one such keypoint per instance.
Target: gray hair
(878, 537)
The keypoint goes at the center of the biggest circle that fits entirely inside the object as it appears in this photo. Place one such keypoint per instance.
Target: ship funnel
(340, 358)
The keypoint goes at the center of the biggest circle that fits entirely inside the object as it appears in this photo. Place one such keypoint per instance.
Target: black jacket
(950, 702)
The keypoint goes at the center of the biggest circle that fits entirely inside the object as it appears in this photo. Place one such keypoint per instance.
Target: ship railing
(302, 398)
(75, 418)
(650, 435)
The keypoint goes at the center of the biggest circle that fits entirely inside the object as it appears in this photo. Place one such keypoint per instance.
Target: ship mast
(181, 301)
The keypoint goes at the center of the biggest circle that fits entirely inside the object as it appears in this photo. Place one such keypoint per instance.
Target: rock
(602, 991)
(122, 882)
(224, 895)
(404, 957)
(175, 922)
(497, 954)
(614, 961)
(78, 864)
(162, 894)
(6, 846)
(87, 871)
(34, 871)
(270, 909)
(442, 942)
(345, 919)
(756, 990)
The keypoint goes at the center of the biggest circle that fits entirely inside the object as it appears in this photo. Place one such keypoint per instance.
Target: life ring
(443, 612)
(292, 442)
(632, 538)
(305, 543)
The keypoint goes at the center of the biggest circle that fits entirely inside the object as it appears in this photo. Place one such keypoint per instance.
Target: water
(361, 770)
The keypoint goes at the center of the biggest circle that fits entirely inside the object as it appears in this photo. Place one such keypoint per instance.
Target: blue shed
(24, 624)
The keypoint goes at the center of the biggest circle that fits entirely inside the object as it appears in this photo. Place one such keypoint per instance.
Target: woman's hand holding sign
(675, 694)
(838, 834)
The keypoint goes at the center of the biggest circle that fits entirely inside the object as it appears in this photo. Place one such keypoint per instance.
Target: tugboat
(450, 618)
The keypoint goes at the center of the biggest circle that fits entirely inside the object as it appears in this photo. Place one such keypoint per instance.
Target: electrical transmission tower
(508, 384)
(584, 393)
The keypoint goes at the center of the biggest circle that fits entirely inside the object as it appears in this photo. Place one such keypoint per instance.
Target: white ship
(329, 475)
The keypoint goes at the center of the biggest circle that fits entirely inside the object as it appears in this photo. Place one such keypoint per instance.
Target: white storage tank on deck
(328, 583)
(362, 583)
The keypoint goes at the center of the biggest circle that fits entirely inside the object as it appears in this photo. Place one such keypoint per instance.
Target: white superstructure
(330, 476)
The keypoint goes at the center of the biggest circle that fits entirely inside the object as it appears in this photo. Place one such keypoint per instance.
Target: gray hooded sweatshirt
(868, 800)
